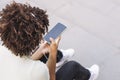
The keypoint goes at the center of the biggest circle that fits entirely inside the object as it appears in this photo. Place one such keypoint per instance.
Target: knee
(73, 64)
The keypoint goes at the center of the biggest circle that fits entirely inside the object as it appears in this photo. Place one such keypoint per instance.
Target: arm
(51, 63)
(52, 49)
(37, 55)
(41, 50)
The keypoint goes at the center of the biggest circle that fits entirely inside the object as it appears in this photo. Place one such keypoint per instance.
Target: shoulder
(39, 71)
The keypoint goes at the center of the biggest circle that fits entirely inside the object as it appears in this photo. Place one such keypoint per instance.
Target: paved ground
(93, 31)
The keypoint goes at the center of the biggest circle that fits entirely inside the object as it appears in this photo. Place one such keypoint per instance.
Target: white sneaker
(66, 55)
(94, 70)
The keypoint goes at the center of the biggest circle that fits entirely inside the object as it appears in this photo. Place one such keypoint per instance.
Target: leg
(59, 56)
(72, 70)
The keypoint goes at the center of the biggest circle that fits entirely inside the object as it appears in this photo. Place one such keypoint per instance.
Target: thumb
(58, 40)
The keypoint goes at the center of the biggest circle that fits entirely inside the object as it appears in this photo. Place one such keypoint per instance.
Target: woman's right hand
(54, 45)
(51, 63)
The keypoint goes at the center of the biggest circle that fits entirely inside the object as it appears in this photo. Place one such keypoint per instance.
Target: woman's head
(22, 27)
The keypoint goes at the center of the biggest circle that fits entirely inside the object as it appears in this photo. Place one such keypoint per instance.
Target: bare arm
(37, 55)
(51, 63)
(52, 49)
(41, 50)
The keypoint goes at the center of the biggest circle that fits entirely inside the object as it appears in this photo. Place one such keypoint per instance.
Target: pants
(72, 71)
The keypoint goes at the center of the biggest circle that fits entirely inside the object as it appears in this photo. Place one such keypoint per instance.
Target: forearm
(40, 51)
(37, 55)
(51, 63)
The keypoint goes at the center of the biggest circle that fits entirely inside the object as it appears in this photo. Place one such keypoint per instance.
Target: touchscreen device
(54, 32)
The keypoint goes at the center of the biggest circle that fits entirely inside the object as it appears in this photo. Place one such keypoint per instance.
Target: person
(66, 69)
(22, 31)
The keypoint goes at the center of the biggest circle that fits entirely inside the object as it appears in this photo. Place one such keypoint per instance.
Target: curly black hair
(22, 27)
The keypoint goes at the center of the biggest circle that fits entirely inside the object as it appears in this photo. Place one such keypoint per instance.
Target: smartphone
(54, 32)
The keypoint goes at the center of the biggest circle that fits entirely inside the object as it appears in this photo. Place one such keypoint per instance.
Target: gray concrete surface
(93, 31)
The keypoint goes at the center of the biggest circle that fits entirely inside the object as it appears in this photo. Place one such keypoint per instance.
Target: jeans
(72, 71)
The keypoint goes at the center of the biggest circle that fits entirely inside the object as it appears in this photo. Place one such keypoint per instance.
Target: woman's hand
(45, 48)
(54, 46)
(51, 63)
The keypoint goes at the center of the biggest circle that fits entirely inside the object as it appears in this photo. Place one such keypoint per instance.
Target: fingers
(56, 40)
(54, 46)
(52, 40)
(42, 41)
